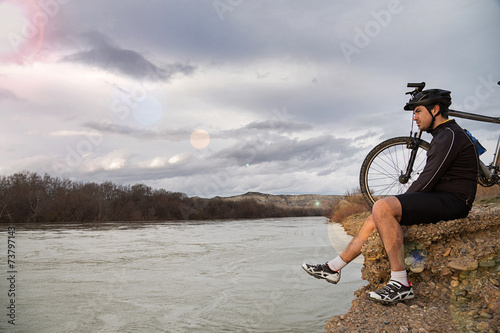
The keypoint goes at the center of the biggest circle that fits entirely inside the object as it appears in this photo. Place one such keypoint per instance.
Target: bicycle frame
(473, 116)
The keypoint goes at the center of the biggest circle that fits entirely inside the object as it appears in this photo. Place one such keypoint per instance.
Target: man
(444, 190)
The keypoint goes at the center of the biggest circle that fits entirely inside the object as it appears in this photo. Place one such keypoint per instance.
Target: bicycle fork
(496, 160)
(413, 145)
(490, 173)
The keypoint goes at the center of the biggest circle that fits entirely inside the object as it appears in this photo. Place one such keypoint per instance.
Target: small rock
(485, 314)
(417, 269)
(425, 276)
(487, 263)
(455, 283)
(473, 313)
(482, 327)
(446, 271)
(419, 303)
(447, 252)
(463, 264)
(403, 329)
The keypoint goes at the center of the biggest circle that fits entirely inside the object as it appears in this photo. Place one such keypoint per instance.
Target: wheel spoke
(382, 168)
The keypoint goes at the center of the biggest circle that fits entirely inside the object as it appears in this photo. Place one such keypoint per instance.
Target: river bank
(454, 267)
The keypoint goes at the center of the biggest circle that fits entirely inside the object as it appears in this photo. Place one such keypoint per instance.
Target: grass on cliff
(487, 195)
(351, 203)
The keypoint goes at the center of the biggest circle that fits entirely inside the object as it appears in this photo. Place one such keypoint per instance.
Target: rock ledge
(454, 267)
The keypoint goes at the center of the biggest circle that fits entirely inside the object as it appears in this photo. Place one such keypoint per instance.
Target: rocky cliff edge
(454, 267)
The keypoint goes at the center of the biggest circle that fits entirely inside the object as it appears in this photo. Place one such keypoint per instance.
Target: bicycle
(392, 166)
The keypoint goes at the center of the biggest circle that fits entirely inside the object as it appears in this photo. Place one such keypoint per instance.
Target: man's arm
(440, 156)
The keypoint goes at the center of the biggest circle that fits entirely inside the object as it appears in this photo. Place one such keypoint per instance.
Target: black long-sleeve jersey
(452, 164)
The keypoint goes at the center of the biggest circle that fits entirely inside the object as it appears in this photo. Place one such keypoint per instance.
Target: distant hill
(285, 200)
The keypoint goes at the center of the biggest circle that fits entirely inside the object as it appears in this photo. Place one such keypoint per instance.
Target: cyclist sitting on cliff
(444, 190)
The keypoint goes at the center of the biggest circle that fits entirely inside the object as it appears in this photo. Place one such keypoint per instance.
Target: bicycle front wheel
(384, 164)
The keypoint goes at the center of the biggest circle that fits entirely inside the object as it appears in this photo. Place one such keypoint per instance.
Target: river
(203, 276)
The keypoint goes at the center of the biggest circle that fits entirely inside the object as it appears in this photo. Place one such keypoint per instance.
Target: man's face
(422, 118)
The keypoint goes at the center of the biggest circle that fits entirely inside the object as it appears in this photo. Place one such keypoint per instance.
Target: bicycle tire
(380, 171)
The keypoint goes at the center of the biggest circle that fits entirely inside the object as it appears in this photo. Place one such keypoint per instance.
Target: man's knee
(389, 206)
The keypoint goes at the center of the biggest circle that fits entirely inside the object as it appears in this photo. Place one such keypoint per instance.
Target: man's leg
(353, 249)
(330, 271)
(385, 218)
(386, 215)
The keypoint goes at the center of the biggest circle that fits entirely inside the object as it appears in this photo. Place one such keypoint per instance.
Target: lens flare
(415, 256)
(22, 29)
(200, 139)
(339, 239)
(11, 19)
(148, 111)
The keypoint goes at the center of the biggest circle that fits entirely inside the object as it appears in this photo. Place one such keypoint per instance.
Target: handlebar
(418, 88)
(416, 85)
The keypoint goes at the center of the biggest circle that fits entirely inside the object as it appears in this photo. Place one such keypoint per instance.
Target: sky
(221, 97)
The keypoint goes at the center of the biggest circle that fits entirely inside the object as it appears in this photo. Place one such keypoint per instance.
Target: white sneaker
(322, 271)
(392, 292)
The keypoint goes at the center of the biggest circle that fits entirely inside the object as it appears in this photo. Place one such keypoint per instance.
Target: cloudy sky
(221, 97)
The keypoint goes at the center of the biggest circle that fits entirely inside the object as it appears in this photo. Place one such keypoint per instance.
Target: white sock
(336, 264)
(401, 277)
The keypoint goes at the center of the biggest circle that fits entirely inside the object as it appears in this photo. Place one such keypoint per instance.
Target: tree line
(30, 197)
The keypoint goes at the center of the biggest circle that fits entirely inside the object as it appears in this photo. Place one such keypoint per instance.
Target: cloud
(107, 55)
(272, 125)
(139, 133)
(66, 133)
(265, 127)
(6, 94)
(165, 161)
(269, 128)
(278, 148)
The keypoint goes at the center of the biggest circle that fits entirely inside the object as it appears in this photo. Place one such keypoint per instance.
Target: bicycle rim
(385, 163)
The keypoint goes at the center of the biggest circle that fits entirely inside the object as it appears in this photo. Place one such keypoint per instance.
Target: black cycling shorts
(430, 207)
